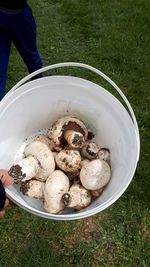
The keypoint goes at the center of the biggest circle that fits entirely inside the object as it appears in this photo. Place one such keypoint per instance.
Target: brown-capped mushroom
(68, 160)
(58, 132)
(78, 197)
(44, 156)
(33, 188)
(89, 150)
(56, 186)
(24, 169)
(95, 175)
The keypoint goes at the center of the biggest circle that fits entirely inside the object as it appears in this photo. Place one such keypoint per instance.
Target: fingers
(6, 178)
(2, 213)
(6, 203)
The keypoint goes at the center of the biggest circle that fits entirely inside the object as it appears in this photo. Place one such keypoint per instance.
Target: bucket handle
(85, 66)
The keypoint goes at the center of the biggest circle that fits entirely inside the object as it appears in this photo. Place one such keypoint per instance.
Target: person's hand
(6, 181)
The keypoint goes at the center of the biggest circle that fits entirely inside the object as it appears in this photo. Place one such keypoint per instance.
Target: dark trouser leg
(5, 44)
(24, 38)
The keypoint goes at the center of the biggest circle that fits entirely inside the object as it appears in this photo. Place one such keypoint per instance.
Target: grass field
(113, 36)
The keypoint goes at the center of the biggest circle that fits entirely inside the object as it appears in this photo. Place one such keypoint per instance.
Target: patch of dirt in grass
(16, 216)
(57, 247)
(145, 231)
(101, 254)
(86, 230)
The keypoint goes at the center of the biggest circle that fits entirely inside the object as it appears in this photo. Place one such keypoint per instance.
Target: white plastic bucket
(36, 104)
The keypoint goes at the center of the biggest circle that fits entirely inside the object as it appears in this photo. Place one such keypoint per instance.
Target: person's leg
(24, 38)
(5, 44)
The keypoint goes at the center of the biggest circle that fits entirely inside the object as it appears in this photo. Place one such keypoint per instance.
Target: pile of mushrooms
(66, 168)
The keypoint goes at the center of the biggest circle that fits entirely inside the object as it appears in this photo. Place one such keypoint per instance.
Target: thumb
(6, 178)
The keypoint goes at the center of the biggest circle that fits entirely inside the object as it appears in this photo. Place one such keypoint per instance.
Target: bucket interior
(37, 104)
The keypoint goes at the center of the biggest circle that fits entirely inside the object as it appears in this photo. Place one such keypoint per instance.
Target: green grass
(113, 36)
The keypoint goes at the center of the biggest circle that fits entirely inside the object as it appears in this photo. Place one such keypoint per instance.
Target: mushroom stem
(78, 197)
(90, 150)
(56, 186)
(33, 188)
(65, 199)
(74, 139)
(25, 169)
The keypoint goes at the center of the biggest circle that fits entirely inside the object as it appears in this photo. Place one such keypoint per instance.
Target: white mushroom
(44, 156)
(68, 160)
(24, 169)
(56, 185)
(104, 154)
(54, 154)
(95, 174)
(45, 140)
(84, 162)
(33, 188)
(90, 150)
(78, 197)
(61, 127)
(49, 133)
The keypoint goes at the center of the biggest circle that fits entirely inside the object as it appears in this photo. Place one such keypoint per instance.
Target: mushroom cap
(33, 188)
(49, 133)
(68, 160)
(90, 150)
(56, 185)
(84, 162)
(95, 174)
(104, 154)
(54, 154)
(45, 140)
(24, 169)
(45, 157)
(78, 197)
(97, 193)
(61, 126)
